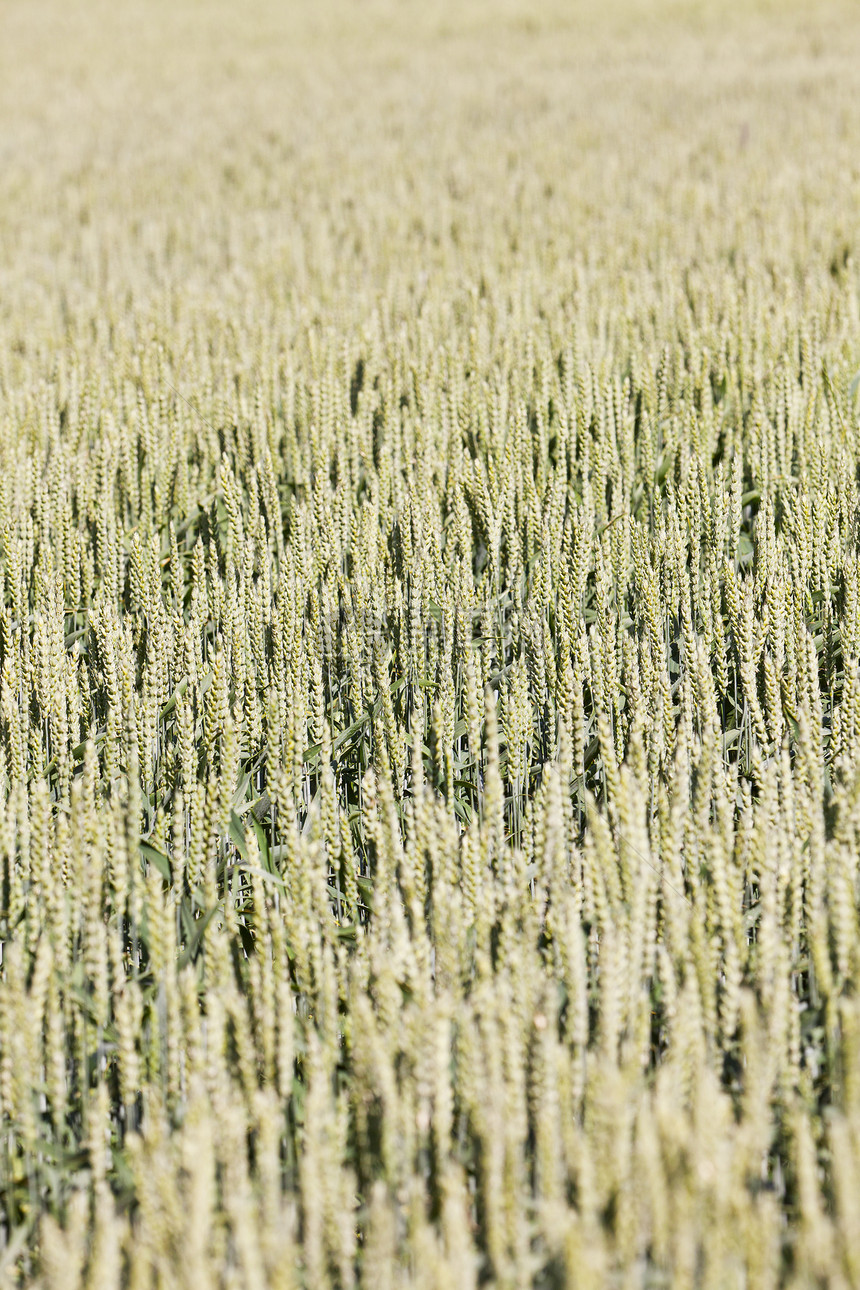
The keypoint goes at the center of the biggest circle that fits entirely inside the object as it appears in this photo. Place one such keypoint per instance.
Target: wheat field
(429, 683)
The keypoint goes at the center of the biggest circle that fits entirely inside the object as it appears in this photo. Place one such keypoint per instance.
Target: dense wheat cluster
(429, 687)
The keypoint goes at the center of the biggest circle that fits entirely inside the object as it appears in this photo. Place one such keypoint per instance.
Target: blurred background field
(215, 149)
